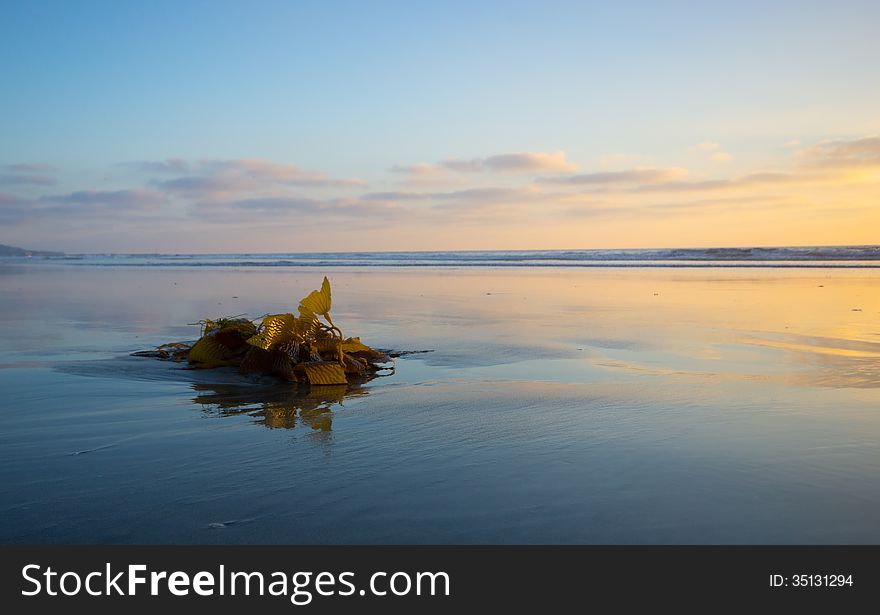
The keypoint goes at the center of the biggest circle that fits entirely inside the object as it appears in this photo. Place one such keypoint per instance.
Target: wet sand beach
(557, 405)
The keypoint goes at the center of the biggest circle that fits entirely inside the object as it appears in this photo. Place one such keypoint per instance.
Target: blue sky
(361, 93)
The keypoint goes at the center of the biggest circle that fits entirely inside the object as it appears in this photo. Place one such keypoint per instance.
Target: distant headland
(13, 251)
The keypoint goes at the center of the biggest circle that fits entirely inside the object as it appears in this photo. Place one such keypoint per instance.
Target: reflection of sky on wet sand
(733, 324)
(624, 405)
(749, 322)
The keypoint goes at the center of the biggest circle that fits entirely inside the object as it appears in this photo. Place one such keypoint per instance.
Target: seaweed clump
(306, 347)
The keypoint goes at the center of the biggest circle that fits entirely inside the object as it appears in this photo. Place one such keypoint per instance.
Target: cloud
(707, 146)
(282, 173)
(494, 204)
(520, 162)
(681, 207)
(833, 164)
(470, 195)
(92, 205)
(487, 194)
(724, 203)
(295, 205)
(169, 165)
(396, 196)
(463, 204)
(721, 157)
(9, 199)
(283, 205)
(136, 199)
(30, 167)
(231, 177)
(26, 173)
(422, 169)
(856, 153)
(503, 205)
(202, 185)
(305, 211)
(22, 179)
(630, 176)
(13, 208)
(523, 162)
(753, 179)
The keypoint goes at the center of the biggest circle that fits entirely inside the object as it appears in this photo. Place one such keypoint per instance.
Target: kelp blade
(326, 373)
(276, 329)
(318, 301)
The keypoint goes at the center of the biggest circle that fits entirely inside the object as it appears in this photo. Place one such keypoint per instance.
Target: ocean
(816, 256)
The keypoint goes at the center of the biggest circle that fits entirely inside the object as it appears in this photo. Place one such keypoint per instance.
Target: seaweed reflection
(277, 407)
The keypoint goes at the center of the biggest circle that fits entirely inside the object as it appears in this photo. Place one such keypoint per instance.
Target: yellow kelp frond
(318, 302)
(208, 353)
(325, 373)
(276, 329)
(223, 343)
(304, 348)
(257, 361)
(354, 344)
(328, 346)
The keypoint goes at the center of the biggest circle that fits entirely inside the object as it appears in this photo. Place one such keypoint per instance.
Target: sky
(348, 126)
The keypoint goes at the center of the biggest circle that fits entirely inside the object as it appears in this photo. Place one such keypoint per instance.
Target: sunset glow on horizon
(289, 127)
